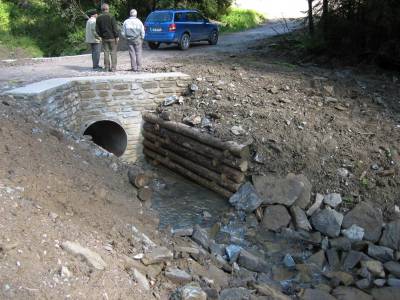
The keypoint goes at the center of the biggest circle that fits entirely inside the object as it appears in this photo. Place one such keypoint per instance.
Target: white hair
(105, 7)
(133, 13)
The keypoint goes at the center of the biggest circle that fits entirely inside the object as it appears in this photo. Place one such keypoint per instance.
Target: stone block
(88, 95)
(103, 93)
(154, 91)
(167, 84)
(121, 86)
(121, 93)
(150, 85)
(169, 90)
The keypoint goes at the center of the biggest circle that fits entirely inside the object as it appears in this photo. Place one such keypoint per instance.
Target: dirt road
(15, 73)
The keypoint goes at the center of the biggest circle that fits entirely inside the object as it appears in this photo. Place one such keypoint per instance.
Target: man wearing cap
(133, 32)
(107, 29)
(93, 39)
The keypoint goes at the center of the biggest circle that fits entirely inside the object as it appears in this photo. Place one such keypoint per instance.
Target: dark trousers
(110, 50)
(135, 53)
(96, 49)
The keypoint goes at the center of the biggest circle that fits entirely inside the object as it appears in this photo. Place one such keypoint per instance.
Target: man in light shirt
(133, 32)
(93, 39)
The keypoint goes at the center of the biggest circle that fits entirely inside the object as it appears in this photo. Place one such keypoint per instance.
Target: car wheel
(213, 38)
(184, 43)
(154, 45)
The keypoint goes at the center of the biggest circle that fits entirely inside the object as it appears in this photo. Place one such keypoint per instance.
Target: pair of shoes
(112, 70)
(133, 70)
(97, 69)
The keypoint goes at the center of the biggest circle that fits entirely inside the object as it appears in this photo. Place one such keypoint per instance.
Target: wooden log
(217, 157)
(236, 149)
(227, 172)
(193, 167)
(185, 172)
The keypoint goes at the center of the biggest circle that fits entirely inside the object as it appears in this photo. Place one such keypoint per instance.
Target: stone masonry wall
(77, 103)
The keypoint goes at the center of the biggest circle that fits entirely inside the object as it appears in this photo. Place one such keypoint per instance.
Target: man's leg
(107, 52)
(138, 52)
(113, 46)
(131, 50)
(96, 48)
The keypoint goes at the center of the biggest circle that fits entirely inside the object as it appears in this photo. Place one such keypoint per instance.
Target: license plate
(155, 29)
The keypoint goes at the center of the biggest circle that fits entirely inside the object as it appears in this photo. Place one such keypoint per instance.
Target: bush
(5, 17)
(241, 19)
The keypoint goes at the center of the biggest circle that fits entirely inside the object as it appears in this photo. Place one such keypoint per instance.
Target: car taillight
(172, 27)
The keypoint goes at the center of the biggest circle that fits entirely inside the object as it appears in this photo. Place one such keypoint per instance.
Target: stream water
(182, 203)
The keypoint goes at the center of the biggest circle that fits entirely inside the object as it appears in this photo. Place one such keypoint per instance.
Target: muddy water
(182, 203)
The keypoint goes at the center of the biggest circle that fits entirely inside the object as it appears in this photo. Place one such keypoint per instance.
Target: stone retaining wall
(76, 103)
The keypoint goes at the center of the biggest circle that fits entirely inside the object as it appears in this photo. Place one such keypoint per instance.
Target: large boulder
(251, 261)
(315, 294)
(276, 217)
(386, 293)
(327, 221)
(391, 235)
(367, 217)
(300, 218)
(305, 197)
(235, 294)
(274, 190)
(246, 198)
(350, 293)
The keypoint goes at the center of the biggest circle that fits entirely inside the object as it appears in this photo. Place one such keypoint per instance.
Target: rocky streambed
(280, 241)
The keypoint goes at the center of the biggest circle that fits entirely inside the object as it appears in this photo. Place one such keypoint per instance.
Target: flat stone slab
(40, 87)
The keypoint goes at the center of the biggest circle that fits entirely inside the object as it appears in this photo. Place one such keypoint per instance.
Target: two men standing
(107, 29)
(133, 32)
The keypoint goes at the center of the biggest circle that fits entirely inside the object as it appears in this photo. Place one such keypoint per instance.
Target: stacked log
(215, 164)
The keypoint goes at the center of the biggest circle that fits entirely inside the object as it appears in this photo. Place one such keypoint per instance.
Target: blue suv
(180, 27)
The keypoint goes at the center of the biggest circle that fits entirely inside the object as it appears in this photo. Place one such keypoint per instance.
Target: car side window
(198, 17)
(180, 17)
(193, 17)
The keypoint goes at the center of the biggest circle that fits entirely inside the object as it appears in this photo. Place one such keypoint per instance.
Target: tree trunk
(325, 13)
(310, 17)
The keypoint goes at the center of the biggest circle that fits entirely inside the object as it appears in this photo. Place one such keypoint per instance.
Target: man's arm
(93, 28)
(142, 32)
(97, 28)
(114, 27)
(123, 30)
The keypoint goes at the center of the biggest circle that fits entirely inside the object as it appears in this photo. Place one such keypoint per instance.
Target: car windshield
(160, 17)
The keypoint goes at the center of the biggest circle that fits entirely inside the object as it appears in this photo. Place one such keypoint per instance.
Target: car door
(203, 27)
(194, 26)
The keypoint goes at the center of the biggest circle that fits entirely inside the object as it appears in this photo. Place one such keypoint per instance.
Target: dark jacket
(106, 27)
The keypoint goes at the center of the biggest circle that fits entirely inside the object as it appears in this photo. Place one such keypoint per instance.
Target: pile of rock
(343, 256)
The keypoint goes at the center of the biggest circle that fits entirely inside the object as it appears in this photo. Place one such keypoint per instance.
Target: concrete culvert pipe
(108, 135)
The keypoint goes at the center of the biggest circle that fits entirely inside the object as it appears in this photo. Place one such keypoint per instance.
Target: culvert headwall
(106, 107)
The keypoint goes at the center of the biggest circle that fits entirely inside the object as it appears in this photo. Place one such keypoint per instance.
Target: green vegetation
(241, 19)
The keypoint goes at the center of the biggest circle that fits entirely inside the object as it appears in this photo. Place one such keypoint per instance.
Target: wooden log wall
(217, 165)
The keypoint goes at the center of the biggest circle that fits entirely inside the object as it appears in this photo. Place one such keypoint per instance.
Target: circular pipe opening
(108, 135)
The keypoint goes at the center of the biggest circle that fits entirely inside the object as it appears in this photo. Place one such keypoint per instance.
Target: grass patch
(241, 19)
(18, 47)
